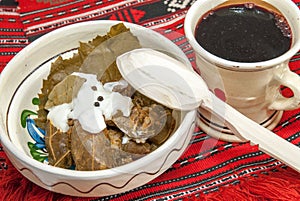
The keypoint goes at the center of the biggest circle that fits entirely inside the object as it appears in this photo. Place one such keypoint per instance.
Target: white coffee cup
(251, 88)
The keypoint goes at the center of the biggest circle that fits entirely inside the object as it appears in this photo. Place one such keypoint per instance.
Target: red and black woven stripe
(12, 36)
(208, 164)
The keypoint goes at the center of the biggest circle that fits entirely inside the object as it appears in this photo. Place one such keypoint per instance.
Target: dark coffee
(244, 33)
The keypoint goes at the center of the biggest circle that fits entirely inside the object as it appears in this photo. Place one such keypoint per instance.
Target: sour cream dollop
(93, 104)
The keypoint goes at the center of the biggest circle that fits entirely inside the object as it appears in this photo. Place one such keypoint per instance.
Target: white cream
(110, 85)
(59, 116)
(92, 103)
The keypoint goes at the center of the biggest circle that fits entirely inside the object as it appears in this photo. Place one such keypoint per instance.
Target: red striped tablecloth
(209, 169)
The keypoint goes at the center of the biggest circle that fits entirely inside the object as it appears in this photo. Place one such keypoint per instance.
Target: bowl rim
(186, 123)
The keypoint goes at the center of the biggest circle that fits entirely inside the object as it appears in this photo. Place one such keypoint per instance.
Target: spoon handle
(245, 128)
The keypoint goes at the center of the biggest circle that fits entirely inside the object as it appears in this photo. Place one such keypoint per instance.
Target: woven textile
(209, 169)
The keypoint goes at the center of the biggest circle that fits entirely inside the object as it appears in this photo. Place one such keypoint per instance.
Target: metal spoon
(171, 83)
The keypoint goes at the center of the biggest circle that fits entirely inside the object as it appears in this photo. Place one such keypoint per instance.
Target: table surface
(210, 169)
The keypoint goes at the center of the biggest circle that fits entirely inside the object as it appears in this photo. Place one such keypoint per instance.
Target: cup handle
(285, 77)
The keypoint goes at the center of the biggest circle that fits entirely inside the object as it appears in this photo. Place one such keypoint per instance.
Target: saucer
(215, 127)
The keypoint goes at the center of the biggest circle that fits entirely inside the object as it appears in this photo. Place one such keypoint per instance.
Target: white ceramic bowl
(20, 82)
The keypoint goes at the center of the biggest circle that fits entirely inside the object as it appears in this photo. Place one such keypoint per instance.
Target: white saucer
(216, 128)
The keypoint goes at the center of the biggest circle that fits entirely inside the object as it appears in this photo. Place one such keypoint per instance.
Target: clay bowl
(20, 83)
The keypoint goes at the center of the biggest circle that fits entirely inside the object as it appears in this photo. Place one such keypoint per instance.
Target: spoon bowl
(163, 78)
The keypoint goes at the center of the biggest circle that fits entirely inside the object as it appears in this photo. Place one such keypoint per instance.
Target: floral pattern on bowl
(38, 149)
